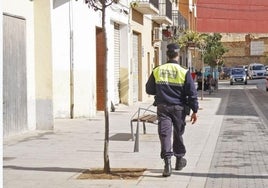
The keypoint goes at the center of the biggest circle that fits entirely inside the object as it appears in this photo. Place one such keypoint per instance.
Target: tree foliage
(210, 45)
(214, 50)
(192, 38)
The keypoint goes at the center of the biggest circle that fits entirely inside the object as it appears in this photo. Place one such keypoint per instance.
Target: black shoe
(167, 169)
(180, 163)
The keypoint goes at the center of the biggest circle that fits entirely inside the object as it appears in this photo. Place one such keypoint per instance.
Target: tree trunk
(107, 168)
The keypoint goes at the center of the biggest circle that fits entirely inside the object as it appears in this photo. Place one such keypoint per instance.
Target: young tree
(214, 50)
(210, 45)
(101, 5)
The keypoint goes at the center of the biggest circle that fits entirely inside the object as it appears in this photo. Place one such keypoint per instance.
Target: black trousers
(171, 117)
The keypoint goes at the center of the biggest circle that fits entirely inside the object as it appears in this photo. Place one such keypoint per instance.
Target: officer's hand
(193, 118)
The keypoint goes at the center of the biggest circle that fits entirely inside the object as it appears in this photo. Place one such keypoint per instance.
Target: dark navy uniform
(173, 87)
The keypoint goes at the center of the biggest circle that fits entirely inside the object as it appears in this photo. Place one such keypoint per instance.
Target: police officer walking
(175, 92)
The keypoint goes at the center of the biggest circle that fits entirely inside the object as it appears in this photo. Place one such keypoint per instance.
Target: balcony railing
(146, 6)
(155, 3)
(178, 20)
(165, 13)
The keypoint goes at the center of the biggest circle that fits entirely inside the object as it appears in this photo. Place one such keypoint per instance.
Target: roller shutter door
(116, 63)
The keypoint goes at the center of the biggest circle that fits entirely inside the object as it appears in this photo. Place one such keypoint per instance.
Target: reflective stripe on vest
(169, 73)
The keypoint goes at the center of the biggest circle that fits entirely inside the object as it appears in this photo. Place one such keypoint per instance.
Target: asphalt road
(241, 154)
(246, 100)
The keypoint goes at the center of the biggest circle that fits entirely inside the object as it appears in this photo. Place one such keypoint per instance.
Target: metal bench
(144, 115)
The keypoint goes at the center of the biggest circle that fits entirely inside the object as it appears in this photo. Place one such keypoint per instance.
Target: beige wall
(43, 51)
(147, 52)
(43, 64)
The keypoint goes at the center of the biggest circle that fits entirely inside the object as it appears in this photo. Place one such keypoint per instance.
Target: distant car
(225, 73)
(256, 70)
(244, 67)
(266, 68)
(238, 75)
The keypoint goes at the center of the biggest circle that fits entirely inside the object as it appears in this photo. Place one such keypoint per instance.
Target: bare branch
(97, 4)
(110, 3)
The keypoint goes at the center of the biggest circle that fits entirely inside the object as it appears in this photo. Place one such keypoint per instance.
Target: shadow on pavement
(121, 137)
(49, 169)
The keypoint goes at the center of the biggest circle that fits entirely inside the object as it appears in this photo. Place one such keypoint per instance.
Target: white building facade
(27, 66)
(59, 61)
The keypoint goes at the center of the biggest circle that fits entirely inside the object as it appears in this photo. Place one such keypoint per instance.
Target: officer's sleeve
(191, 92)
(150, 85)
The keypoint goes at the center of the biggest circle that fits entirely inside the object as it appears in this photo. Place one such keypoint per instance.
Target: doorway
(100, 72)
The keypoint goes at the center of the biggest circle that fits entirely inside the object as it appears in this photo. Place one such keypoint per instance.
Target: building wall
(239, 47)
(51, 54)
(116, 14)
(147, 55)
(184, 8)
(144, 27)
(233, 16)
(43, 64)
(77, 54)
(61, 58)
(38, 60)
(80, 53)
(125, 65)
(61, 36)
(1, 88)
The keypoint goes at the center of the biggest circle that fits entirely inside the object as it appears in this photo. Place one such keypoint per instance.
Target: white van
(256, 70)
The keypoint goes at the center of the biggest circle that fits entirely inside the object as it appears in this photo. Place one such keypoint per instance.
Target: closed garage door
(116, 63)
(14, 75)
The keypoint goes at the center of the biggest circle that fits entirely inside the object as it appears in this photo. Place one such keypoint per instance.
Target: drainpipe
(71, 77)
(71, 60)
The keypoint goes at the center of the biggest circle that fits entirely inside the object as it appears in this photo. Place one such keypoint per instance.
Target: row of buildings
(53, 54)
(53, 62)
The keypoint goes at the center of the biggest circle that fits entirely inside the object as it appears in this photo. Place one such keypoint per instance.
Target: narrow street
(226, 148)
(241, 153)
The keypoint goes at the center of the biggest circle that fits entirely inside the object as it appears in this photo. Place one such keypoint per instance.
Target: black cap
(173, 47)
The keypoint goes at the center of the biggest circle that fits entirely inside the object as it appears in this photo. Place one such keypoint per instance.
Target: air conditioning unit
(157, 34)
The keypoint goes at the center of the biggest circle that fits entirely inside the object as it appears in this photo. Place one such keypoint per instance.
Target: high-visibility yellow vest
(170, 73)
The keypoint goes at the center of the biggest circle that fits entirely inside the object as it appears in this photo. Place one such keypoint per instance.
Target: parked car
(238, 75)
(256, 70)
(266, 68)
(225, 73)
(244, 67)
